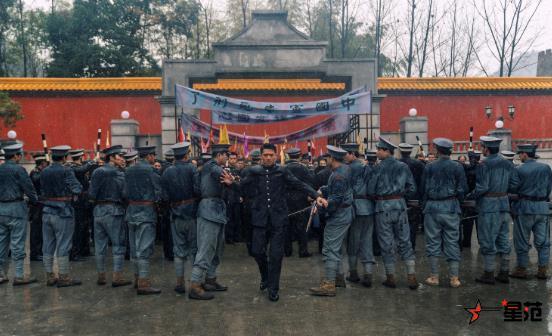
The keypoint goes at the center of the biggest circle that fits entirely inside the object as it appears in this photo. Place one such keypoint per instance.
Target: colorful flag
(181, 137)
(107, 142)
(360, 143)
(223, 136)
(266, 137)
(245, 146)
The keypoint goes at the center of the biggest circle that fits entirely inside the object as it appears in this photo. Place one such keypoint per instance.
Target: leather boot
(455, 282)
(23, 281)
(101, 279)
(119, 280)
(340, 281)
(51, 279)
(135, 281)
(503, 277)
(197, 292)
(412, 282)
(66, 281)
(367, 280)
(541, 273)
(144, 287)
(432, 280)
(180, 288)
(520, 273)
(327, 288)
(486, 278)
(211, 285)
(390, 281)
(353, 276)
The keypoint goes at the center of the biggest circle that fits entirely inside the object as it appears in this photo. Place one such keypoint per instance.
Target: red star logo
(474, 312)
(504, 303)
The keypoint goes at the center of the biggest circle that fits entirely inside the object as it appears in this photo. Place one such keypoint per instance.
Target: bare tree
(506, 24)
(244, 10)
(411, 36)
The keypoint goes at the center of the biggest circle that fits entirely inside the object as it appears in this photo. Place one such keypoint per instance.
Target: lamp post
(499, 123)
(500, 131)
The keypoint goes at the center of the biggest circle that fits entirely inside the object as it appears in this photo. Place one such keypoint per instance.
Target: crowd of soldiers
(368, 206)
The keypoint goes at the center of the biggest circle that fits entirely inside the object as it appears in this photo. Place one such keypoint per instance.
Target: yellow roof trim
(465, 84)
(268, 85)
(81, 84)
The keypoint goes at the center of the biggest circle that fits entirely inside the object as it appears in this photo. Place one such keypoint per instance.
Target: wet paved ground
(243, 310)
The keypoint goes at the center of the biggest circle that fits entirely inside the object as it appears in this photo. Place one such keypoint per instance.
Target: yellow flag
(360, 144)
(223, 136)
(266, 137)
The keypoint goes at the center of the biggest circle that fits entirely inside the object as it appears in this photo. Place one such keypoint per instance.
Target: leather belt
(533, 198)
(443, 199)
(361, 197)
(389, 197)
(183, 202)
(59, 199)
(12, 201)
(495, 194)
(150, 203)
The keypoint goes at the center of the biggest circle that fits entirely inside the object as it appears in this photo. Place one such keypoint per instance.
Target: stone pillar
(505, 135)
(412, 127)
(124, 132)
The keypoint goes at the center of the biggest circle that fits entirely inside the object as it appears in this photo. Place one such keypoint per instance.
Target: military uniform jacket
(14, 183)
(321, 178)
(297, 199)
(35, 178)
(142, 184)
(360, 175)
(494, 175)
(57, 181)
(443, 186)
(339, 194)
(535, 186)
(212, 206)
(417, 169)
(179, 183)
(108, 185)
(268, 192)
(391, 178)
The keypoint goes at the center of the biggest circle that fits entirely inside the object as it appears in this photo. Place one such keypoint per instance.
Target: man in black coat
(267, 186)
(297, 200)
(416, 167)
(470, 214)
(321, 179)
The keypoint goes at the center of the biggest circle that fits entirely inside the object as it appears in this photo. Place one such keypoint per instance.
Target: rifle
(312, 212)
(45, 146)
(421, 148)
(98, 142)
(471, 138)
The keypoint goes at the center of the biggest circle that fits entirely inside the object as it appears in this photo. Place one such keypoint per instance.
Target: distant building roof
(268, 85)
(398, 85)
(81, 84)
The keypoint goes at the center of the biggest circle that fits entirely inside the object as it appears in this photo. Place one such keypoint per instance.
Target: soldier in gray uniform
(180, 190)
(59, 188)
(443, 187)
(107, 188)
(359, 238)
(338, 202)
(130, 158)
(495, 177)
(143, 192)
(14, 183)
(532, 212)
(390, 183)
(211, 218)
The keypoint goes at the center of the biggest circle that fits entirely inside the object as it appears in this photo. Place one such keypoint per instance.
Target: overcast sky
(541, 25)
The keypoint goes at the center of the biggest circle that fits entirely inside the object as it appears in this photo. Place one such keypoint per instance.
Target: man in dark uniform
(14, 183)
(359, 238)
(143, 192)
(415, 216)
(81, 235)
(59, 188)
(338, 203)
(470, 214)
(180, 190)
(130, 158)
(269, 184)
(321, 179)
(391, 182)
(246, 196)
(443, 188)
(495, 177)
(371, 157)
(211, 219)
(35, 212)
(107, 188)
(532, 212)
(232, 198)
(297, 200)
(164, 213)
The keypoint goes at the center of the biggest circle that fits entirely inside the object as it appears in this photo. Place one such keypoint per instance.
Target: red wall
(451, 116)
(74, 120)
